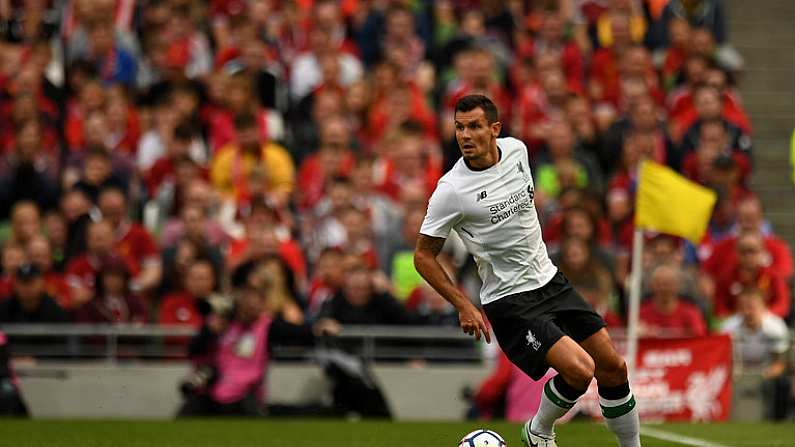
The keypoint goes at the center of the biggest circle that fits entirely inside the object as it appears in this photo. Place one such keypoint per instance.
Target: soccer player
(539, 320)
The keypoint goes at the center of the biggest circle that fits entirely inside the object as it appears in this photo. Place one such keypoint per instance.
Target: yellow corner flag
(669, 203)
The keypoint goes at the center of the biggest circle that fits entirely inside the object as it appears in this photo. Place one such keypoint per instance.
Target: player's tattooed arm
(430, 244)
(426, 264)
(427, 249)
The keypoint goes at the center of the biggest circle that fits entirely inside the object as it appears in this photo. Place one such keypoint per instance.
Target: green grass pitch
(306, 433)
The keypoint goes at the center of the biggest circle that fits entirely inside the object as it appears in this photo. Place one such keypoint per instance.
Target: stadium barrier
(411, 362)
(135, 341)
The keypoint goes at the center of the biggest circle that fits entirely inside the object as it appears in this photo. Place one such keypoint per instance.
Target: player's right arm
(469, 316)
(443, 213)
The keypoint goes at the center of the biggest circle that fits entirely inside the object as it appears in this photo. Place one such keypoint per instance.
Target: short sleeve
(779, 336)
(443, 212)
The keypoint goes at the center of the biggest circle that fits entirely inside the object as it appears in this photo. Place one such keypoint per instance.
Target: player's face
(474, 134)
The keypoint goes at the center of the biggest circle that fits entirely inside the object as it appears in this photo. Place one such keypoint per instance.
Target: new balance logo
(532, 340)
(520, 167)
(481, 196)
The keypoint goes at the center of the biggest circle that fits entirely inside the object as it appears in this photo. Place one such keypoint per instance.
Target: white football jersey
(493, 212)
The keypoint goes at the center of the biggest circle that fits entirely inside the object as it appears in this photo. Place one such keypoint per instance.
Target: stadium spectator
(195, 228)
(329, 276)
(132, 241)
(713, 143)
(762, 343)
(584, 270)
(182, 307)
(98, 174)
(239, 100)
(271, 275)
(562, 164)
(665, 313)
(81, 271)
(264, 235)
(190, 189)
(114, 63)
(27, 172)
(706, 13)
(750, 219)
(359, 236)
(579, 223)
(236, 166)
(30, 303)
(113, 301)
(400, 257)
(750, 271)
(358, 302)
(321, 44)
(25, 223)
(181, 144)
(75, 207)
(39, 253)
(642, 116)
(407, 157)
(13, 258)
(662, 249)
(709, 107)
(430, 307)
(333, 158)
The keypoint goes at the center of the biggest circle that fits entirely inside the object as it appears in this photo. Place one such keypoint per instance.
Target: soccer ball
(482, 438)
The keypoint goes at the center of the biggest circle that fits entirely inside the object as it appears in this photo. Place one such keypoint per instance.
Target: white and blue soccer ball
(482, 438)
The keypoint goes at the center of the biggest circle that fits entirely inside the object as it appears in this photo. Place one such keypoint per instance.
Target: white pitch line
(679, 439)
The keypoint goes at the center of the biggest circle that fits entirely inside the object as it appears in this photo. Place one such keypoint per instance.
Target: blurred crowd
(153, 153)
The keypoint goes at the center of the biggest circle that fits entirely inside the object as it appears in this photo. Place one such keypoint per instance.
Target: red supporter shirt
(685, 320)
(313, 174)
(127, 143)
(380, 118)
(691, 167)
(724, 257)
(162, 170)
(605, 73)
(6, 287)
(682, 111)
(222, 127)
(180, 308)
(137, 247)
(127, 309)
(56, 286)
(319, 293)
(571, 60)
(289, 251)
(82, 271)
(389, 181)
(774, 287)
(531, 110)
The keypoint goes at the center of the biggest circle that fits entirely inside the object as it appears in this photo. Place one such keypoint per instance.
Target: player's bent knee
(613, 373)
(580, 374)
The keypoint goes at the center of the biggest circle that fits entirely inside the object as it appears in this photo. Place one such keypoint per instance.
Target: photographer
(231, 355)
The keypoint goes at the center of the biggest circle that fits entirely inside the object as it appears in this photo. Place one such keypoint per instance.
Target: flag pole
(634, 302)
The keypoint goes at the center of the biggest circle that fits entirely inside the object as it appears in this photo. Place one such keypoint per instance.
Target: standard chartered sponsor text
(516, 203)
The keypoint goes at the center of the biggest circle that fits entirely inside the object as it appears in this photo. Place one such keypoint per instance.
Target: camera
(198, 380)
(216, 304)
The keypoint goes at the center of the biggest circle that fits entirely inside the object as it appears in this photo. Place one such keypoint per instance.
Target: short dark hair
(472, 102)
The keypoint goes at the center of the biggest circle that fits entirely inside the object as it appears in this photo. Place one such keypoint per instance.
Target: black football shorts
(527, 324)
